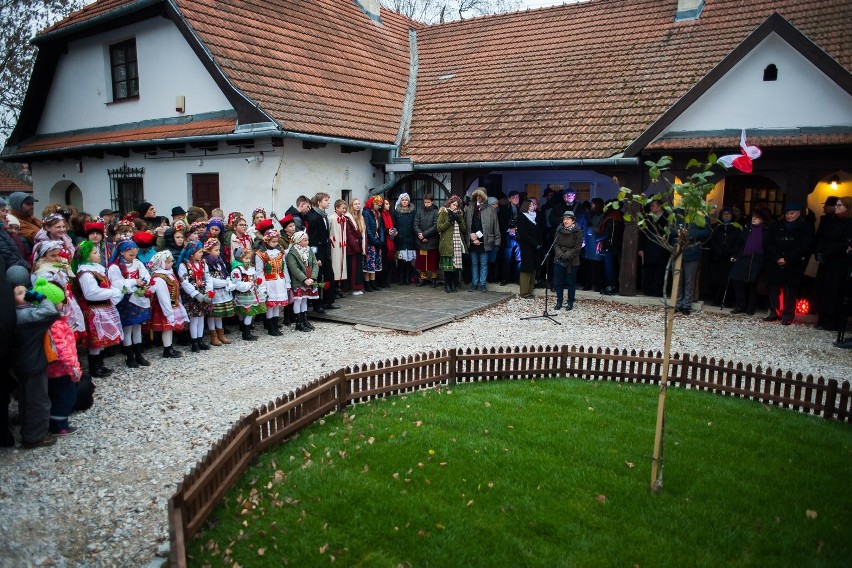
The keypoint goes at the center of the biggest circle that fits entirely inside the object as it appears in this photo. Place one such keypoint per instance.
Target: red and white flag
(742, 161)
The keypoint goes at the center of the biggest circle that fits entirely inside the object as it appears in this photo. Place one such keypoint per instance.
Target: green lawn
(545, 473)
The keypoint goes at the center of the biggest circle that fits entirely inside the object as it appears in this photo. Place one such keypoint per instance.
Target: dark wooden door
(205, 191)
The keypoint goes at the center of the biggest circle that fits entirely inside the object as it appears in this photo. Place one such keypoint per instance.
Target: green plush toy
(51, 291)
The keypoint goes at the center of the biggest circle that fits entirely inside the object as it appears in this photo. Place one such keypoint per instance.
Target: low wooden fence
(207, 482)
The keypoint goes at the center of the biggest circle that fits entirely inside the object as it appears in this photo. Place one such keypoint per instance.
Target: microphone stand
(546, 315)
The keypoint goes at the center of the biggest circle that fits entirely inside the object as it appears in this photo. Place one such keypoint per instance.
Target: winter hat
(51, 291)
(178, 211)
(793, 207)
(19, 198)
(492, 200)
(18, 276)
(569, 214)
(298, 236)
(143, 207)
(3, 202)
(12, 220)
(831, 200)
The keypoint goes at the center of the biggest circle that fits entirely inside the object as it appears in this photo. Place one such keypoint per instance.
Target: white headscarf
(158, 261)
(399, 200)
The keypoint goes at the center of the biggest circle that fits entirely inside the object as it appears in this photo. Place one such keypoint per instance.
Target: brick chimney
(372, 8)
(688, 9)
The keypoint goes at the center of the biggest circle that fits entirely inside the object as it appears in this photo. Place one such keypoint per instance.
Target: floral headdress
(271, 234)
(256, 211)
(233, 217)
(52, 218)
(210, 244)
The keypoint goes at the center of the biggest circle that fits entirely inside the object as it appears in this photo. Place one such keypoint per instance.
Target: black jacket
(793, 242)
(426, 222)
(529, 239)
(403, 222)
(9, 251)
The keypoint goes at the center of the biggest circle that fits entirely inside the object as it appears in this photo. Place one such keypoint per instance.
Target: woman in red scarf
(389, 251)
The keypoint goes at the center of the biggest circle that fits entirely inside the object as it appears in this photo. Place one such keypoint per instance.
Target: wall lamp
(834, 182)
(254, 158)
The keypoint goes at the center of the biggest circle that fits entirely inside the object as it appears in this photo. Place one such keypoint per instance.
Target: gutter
(337, 140)
(385, 187)
(105, 17)
(517, 164)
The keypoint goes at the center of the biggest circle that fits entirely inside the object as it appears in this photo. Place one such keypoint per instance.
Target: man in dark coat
(7, 329)
(299, 212)
(320, 241)
(9, 251)
(507, 217)
(787, 252)
(426, 233)
(655, 257)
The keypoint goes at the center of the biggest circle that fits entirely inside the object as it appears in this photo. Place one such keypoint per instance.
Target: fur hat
(12, 220)
(51, 291)
(18, 276)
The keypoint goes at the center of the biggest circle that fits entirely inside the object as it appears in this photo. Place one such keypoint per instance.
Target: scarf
(303, 253)
(754, 243)
(457, 247)
(531, 216)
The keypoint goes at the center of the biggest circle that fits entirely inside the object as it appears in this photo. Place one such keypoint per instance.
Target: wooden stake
(657, 483)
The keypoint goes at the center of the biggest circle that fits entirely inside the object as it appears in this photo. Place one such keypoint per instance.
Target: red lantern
(803, 307)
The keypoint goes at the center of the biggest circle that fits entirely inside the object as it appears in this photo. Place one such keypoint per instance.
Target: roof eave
(527, 164)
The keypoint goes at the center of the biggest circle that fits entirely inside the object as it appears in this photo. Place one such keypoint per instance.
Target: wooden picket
(277, 421)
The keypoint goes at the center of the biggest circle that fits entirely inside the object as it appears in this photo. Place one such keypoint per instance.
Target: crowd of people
(77, 284)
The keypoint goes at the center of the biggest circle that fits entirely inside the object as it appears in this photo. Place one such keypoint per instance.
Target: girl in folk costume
(55, 228)
(451, 245)
(240, 236)
(167, 311)
(145, 242)
(223, 302)
(247, 300)
(50, 263)
(337, 235)
(355, 247)
(103, 324)
(196, 291)
(269, 264)
(403, 220)
(128, 275)
(304, 269)
(96, 232)
(374, 233)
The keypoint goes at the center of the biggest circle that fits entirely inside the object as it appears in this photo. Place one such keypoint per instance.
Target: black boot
(201, 345)
(247, 334)
(170, 353)
(447, 287)
(456, 277)
(436, 283)
(273, 328)
(127, 351)
(306, 322)
(96, 367)
(195, 347)
(558, 305)
(288, 315)
(302, 322)
(137, 351)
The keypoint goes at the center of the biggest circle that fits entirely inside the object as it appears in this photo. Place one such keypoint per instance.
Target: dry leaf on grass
(601, 498)
(811, 514)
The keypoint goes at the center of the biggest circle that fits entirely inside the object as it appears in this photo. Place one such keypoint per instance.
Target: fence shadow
(207, 482)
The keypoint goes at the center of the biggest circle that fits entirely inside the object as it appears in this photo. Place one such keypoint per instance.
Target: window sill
(119, 101)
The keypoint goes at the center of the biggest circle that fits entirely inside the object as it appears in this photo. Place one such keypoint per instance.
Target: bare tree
(20, 20)
(434, 11)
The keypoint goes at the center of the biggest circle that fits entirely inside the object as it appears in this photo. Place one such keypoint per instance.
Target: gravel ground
(99, 497)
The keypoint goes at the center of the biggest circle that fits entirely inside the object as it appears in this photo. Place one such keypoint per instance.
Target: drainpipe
(383, 188)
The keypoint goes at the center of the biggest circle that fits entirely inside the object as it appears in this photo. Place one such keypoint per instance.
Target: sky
(540, 3)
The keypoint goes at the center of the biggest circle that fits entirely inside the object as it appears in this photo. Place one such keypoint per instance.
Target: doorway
(205, 191)
(754, 191)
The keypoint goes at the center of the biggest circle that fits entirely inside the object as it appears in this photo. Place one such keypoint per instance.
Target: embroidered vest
(172, 285)
(272, 267)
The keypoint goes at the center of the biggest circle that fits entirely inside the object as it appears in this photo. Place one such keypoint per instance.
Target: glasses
(242, 225)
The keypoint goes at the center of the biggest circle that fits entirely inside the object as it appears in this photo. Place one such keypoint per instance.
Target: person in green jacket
(451, 244)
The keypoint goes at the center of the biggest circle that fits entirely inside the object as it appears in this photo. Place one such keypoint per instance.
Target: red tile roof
(763, 141)
(10, 184)
(315, 66)
(582, 80)
(162, 132)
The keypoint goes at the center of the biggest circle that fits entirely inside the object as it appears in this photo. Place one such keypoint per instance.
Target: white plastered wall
(242, 186)
(802, 96)
(80, 96)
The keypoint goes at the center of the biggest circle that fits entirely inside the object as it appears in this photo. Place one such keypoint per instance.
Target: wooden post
(657, 483)
(453, 366)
